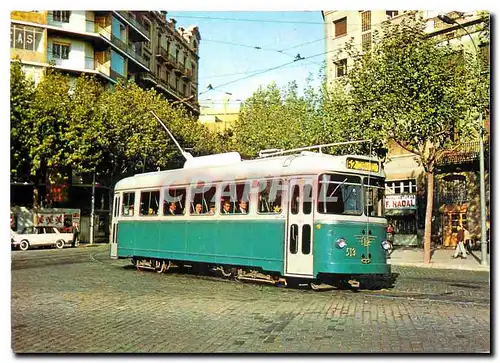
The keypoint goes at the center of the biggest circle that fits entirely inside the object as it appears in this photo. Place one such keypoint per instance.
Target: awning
(399, 212)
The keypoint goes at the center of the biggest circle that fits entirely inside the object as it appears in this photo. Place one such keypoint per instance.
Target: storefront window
(401, 186)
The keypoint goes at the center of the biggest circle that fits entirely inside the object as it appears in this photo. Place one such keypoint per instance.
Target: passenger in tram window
(243, 207)
(171, 208)
(226, 207)
(211, 211)
(197, 209)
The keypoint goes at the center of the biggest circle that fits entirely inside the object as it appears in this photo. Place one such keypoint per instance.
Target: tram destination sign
(360, 164)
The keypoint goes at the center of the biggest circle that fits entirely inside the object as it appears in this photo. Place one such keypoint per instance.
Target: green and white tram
(285, 215)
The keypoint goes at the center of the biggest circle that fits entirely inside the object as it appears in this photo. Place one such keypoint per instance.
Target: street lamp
(445, 18)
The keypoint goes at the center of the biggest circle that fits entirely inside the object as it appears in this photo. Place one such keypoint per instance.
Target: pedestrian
(76, 234)
(460, 249)
(467, 241)
(390, 234)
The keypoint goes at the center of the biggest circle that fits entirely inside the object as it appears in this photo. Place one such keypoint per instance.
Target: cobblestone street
(78, 300)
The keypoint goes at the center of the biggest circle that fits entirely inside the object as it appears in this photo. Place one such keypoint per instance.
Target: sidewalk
(440, 258)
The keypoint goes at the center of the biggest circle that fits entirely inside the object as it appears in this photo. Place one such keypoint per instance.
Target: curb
(441, 266)
(86, 245)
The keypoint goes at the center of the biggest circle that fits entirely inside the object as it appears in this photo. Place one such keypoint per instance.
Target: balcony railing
(462, 153)
(134, 22)
(88, 64)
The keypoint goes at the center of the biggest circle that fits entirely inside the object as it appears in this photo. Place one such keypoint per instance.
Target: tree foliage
(414, 89)
(21, 96)
(418, 91)
(81, 125)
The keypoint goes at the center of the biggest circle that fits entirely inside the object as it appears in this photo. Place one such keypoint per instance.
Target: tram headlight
(340, 243)
(386, 245)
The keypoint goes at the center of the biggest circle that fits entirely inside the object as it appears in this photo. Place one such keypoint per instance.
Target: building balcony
(171, 62)
(462, 157)
(134, 24)
(179, 69)
(461, 153)
(162, 53)
(127, 49)
(188, 74)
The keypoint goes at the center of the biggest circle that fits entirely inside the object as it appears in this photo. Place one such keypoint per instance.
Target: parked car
(39, 236)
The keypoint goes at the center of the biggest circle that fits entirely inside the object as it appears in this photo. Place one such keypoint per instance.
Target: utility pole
(92, 203)
(484, 251)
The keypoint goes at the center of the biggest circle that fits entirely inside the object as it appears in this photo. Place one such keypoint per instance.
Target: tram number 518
(350, 252)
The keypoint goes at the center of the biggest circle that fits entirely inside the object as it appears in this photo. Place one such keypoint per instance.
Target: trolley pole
(91, 238)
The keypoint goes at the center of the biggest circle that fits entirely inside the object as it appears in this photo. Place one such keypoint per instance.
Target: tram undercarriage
(241, 273)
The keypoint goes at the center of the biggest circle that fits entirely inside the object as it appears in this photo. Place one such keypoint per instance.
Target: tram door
(299, 239)
(114, 226)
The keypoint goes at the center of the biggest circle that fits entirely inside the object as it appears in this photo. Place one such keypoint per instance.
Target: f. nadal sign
(400, 201)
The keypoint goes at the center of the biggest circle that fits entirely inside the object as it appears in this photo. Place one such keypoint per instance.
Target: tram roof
(305, 163)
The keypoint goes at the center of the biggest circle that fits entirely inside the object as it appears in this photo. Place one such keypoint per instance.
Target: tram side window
(150, 202)
(128, 204)
(307, 203)
(235, 198)
(339, 194)
(174, 201)
(374, 196)
(203, 201)
(270, 196)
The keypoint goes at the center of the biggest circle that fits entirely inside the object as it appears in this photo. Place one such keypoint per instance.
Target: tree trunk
(111, 195)
(428, 217)
(35, 205)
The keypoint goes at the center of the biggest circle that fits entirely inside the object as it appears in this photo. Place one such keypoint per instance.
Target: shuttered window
(366, 21)
(340, 27)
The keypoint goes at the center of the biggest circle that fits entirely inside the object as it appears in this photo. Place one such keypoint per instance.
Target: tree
(21, 97)
(417, 91)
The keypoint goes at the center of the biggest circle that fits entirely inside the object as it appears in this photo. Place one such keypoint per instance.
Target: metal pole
(484, 252)
(92, 210)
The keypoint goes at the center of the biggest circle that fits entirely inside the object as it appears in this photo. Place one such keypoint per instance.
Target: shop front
(452, 217)
(401, 211)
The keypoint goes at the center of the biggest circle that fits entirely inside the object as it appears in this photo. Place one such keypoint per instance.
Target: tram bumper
(353, 269)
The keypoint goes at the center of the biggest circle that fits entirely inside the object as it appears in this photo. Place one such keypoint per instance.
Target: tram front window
(339, 194)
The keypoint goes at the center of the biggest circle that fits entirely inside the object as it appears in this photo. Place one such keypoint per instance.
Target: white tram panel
(227, 168)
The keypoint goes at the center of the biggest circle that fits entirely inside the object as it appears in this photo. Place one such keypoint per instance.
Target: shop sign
(51, 220)
(400, 201)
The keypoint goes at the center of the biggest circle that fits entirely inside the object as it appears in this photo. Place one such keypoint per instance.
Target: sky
(227, 50)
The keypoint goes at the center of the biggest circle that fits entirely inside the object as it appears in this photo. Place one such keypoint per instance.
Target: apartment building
(134, 45)
(456, 185)
(138, 45)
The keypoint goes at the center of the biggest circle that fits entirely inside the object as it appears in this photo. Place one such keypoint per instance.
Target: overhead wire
(270, 69)
(248, 20)
(276, 50)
